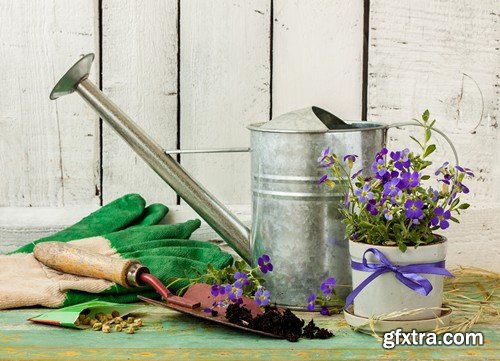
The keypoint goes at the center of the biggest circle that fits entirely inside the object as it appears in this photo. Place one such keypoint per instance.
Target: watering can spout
(225, 223)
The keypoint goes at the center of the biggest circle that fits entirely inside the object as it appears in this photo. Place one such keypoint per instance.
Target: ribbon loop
(407, 275)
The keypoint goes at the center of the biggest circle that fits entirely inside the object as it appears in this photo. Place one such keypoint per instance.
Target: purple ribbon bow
(405, 274)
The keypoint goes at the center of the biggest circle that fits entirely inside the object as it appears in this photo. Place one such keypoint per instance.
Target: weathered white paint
(419, 52)
(224, 86)
(472, 243)
(48, 150)
(318, 56)
(139, 43)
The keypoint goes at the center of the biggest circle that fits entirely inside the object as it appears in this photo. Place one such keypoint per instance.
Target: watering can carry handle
(440, 132)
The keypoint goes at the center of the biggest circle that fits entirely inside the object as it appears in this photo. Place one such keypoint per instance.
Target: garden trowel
(197, 301)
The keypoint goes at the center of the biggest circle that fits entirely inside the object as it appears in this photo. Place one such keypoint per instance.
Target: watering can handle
(440, 132)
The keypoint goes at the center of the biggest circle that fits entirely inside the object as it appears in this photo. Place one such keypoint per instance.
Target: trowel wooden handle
(68, 259)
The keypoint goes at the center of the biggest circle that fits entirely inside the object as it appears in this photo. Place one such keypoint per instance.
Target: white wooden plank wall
(49, 151)
(318, 56)
(139, 48)
(419, 53)
(224, 86)
(195, 73)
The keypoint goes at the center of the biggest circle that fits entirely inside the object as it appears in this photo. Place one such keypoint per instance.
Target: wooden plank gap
(58, 123)
(100, 189)
(271, 39)
(366, 42)
(178, 156)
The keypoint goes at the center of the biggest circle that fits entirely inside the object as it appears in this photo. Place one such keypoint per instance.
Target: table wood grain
(169, 335)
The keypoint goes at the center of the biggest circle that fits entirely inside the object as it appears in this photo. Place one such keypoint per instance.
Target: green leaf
(432, 123)
(402, 247)
(425, 177)
(454, 219)
(455, 203)
(415, 139)
(429, 150)
(427, 134)
(425, 116)
(464, 206)
(240, 265)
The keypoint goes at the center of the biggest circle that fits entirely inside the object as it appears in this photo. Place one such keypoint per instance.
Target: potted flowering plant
(391, 215)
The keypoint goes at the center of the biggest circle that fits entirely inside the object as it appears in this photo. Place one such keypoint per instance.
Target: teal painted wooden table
(167, 335)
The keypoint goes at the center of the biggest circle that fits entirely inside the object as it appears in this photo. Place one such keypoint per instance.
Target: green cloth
(124, 228)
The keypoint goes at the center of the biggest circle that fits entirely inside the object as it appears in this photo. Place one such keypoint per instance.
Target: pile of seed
(105, 322)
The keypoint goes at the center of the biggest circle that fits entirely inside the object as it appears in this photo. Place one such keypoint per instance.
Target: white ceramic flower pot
(386, 294)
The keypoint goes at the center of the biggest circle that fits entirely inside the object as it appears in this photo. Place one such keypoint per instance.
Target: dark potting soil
(276, 321)
(313, 331)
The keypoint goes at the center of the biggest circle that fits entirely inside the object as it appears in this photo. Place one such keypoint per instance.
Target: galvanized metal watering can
(294, 221)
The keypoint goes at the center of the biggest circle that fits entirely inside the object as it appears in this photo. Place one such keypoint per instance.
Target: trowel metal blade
(201, 292)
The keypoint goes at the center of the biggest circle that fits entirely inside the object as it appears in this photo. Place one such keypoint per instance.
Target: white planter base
(386, 294)
(380, 327)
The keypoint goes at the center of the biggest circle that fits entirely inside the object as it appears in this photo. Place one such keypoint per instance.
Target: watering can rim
(364, 126)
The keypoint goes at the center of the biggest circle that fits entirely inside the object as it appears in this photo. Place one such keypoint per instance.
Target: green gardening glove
(122, 213)
(164, 249)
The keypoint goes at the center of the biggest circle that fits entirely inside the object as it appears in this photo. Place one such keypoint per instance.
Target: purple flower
(441, 218)
(378, 168)
(350, 158)
(433, 194)
(414, 209)
(346, 200)
(241, 279)
(328, 286)
(411, 180)
(357, 173)
(330, 161)
(458, 187)
(324, 155)
(464, 170)
(364, 193)
(261, 297)
(217, 289)
(446, 179)
(310, 302)
(220, 303)
(324, 311)
(371, 207)
(400, 159)
(264, 263)
(391, 188)
(326, 159)
(323, 179)
(461, 188)
(381, 154)
(233, 292)
(396, 199)
(387, 214)
(443, 169)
